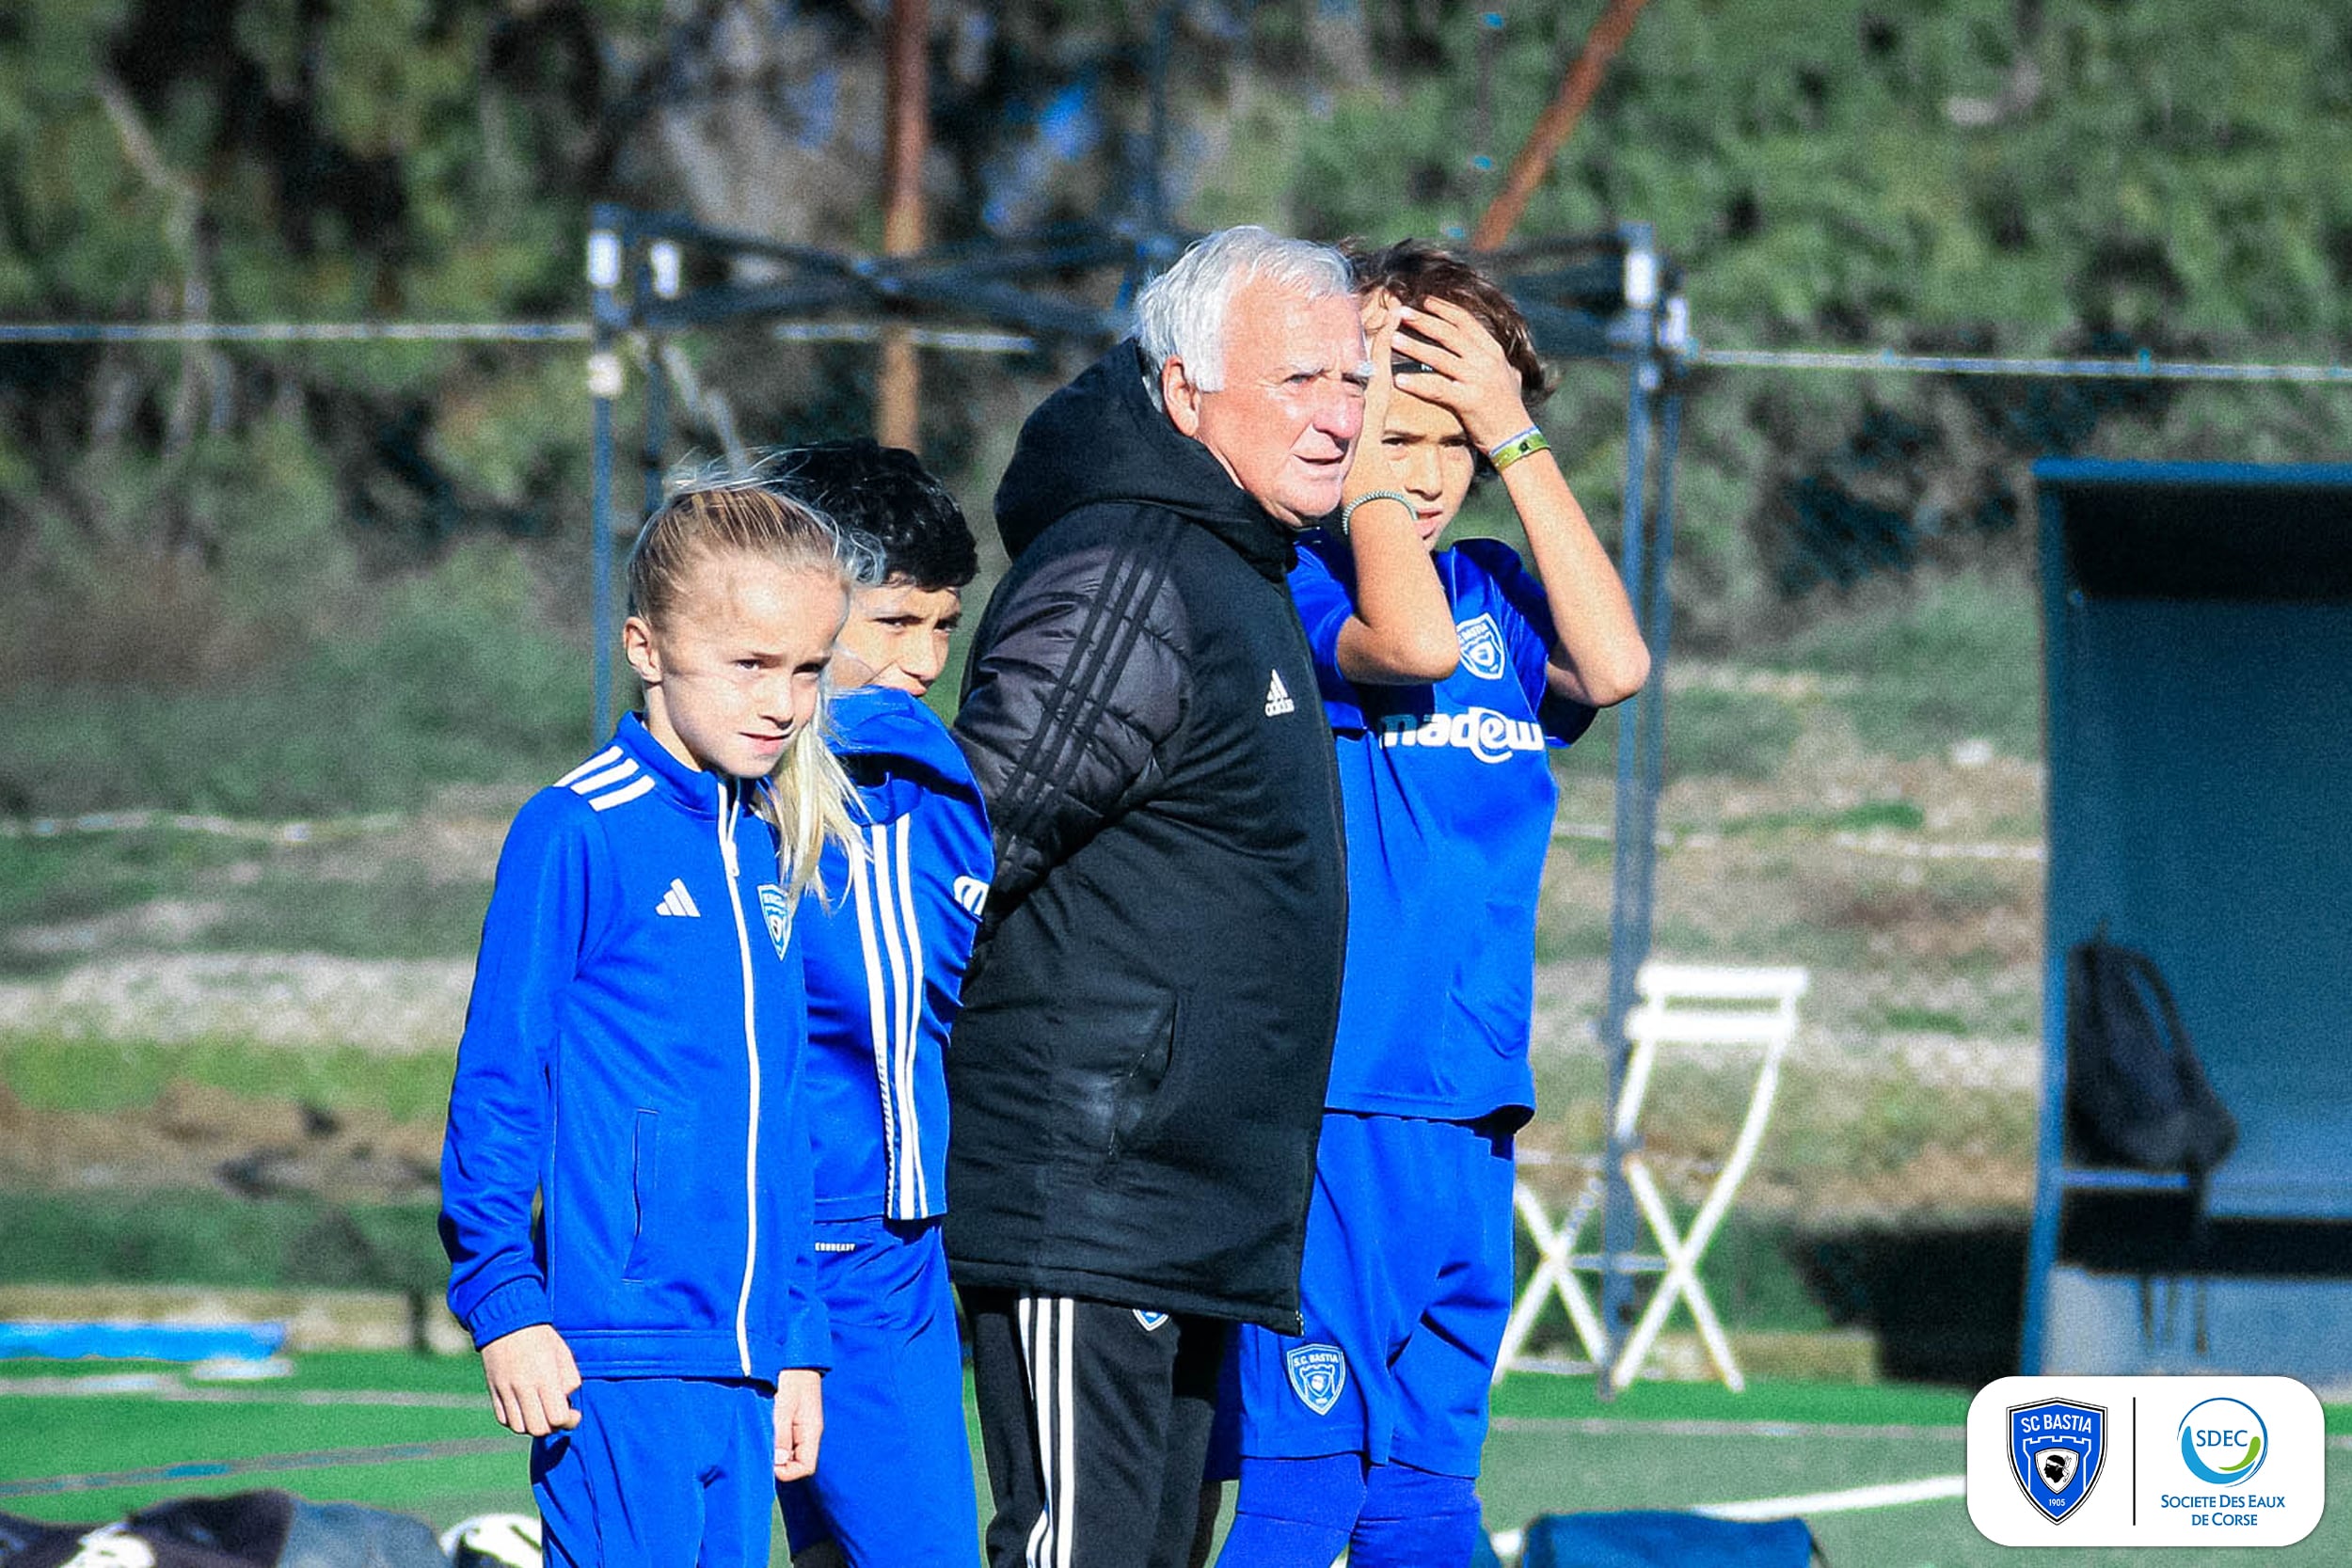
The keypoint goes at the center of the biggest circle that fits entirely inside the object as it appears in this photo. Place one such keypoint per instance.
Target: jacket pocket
(644, 1189)
(1130, 1105)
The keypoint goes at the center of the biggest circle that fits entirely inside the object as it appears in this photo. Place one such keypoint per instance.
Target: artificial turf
(1555, 1449)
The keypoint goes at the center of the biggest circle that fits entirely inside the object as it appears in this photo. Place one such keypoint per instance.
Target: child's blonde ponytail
(810, 805)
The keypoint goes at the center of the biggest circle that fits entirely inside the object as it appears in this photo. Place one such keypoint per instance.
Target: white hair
(1181, 314)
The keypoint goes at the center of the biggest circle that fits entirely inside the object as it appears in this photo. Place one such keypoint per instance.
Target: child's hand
(800, 1422)
(531, 1376)
(1468, 372)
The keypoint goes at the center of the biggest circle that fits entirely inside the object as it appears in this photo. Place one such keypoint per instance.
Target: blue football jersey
(1449, 798)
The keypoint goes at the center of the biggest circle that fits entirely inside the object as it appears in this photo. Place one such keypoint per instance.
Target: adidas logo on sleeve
(1278, 698)
(678, 901)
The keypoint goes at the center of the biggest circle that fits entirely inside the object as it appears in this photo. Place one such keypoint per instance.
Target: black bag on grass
(242, 1529)
(2135, 1094)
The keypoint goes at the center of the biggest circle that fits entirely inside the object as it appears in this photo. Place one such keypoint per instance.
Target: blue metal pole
(1628, 923)
(600, 544)
(1154, 248)
(2060, 632)
(1639, 744)
(1657, 629)
(1155, 203)
(652, 455)
(608, 241)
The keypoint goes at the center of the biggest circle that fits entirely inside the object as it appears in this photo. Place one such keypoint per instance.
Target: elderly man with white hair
(1138, 1072)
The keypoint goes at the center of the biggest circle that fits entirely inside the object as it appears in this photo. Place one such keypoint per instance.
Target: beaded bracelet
(1347, 513)
(1526, 442)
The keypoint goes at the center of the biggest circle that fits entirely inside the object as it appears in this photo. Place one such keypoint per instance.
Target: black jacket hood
(1099, 439)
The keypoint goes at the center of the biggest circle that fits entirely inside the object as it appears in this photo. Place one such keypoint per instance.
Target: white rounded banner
(2146, 1462)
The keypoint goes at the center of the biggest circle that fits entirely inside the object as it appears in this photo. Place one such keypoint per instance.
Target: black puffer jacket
(1138, 1074)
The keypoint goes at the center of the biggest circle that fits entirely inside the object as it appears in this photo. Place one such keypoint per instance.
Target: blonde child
(632, 1061)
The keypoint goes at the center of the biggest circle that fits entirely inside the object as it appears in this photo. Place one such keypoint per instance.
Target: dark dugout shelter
(2198, 648)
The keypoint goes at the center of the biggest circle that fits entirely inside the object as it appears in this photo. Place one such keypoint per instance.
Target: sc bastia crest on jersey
(1318, 1375)
(2056, 1448)
(779, 917)
(1481, 647)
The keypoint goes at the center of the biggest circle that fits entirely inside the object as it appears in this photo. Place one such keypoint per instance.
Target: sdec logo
(2223, 1442)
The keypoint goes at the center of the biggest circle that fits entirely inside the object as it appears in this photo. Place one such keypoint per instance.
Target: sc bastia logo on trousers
(1318, 1375)
(2055, 1449)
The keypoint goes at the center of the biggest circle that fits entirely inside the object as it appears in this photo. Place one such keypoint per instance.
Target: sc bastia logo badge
(1318, 1375)
(1481, 647)
(1153, 1321)
(2055, 1449)
(2223, 1442)
(779, 917)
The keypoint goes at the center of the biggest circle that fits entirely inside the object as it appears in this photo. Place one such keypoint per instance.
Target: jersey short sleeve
(1529, 633)
(1323, 586)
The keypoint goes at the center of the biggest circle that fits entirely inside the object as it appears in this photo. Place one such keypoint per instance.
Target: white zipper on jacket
(750, 1053)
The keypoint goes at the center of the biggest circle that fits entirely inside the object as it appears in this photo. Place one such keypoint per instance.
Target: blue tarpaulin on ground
(142, 1342)
(1659, 1539)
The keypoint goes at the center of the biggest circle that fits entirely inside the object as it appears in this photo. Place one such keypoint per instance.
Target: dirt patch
(194, 1135)
(445, 848)
(281, 999)
(1983, 919)
(161, 923)
(1939, 1180)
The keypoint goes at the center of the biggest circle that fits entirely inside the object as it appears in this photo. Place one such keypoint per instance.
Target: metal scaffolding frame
(1609, 298)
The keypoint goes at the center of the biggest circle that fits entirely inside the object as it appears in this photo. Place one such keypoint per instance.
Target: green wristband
(1526, 441)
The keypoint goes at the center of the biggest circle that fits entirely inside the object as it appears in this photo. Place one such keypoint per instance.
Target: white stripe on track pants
(1095, 1421)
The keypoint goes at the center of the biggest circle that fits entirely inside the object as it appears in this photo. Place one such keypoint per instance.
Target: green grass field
(173, 1117)
(1555, 1449)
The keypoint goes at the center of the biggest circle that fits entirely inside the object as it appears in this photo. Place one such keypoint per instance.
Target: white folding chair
(1554, 1275)
(1714, 1009)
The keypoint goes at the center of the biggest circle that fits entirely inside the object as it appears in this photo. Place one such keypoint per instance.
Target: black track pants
(1095, 1421)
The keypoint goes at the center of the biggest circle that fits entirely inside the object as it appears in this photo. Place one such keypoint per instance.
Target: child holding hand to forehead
(631, 1059)
(1446, 675)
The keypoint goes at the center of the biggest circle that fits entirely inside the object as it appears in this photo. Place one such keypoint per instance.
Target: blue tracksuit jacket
(886, 959)
(633, 1054)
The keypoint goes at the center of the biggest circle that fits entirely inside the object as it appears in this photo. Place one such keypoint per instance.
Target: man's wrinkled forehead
(1282, 332)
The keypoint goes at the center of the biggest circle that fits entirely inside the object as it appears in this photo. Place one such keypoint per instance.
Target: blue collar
(692, 790)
